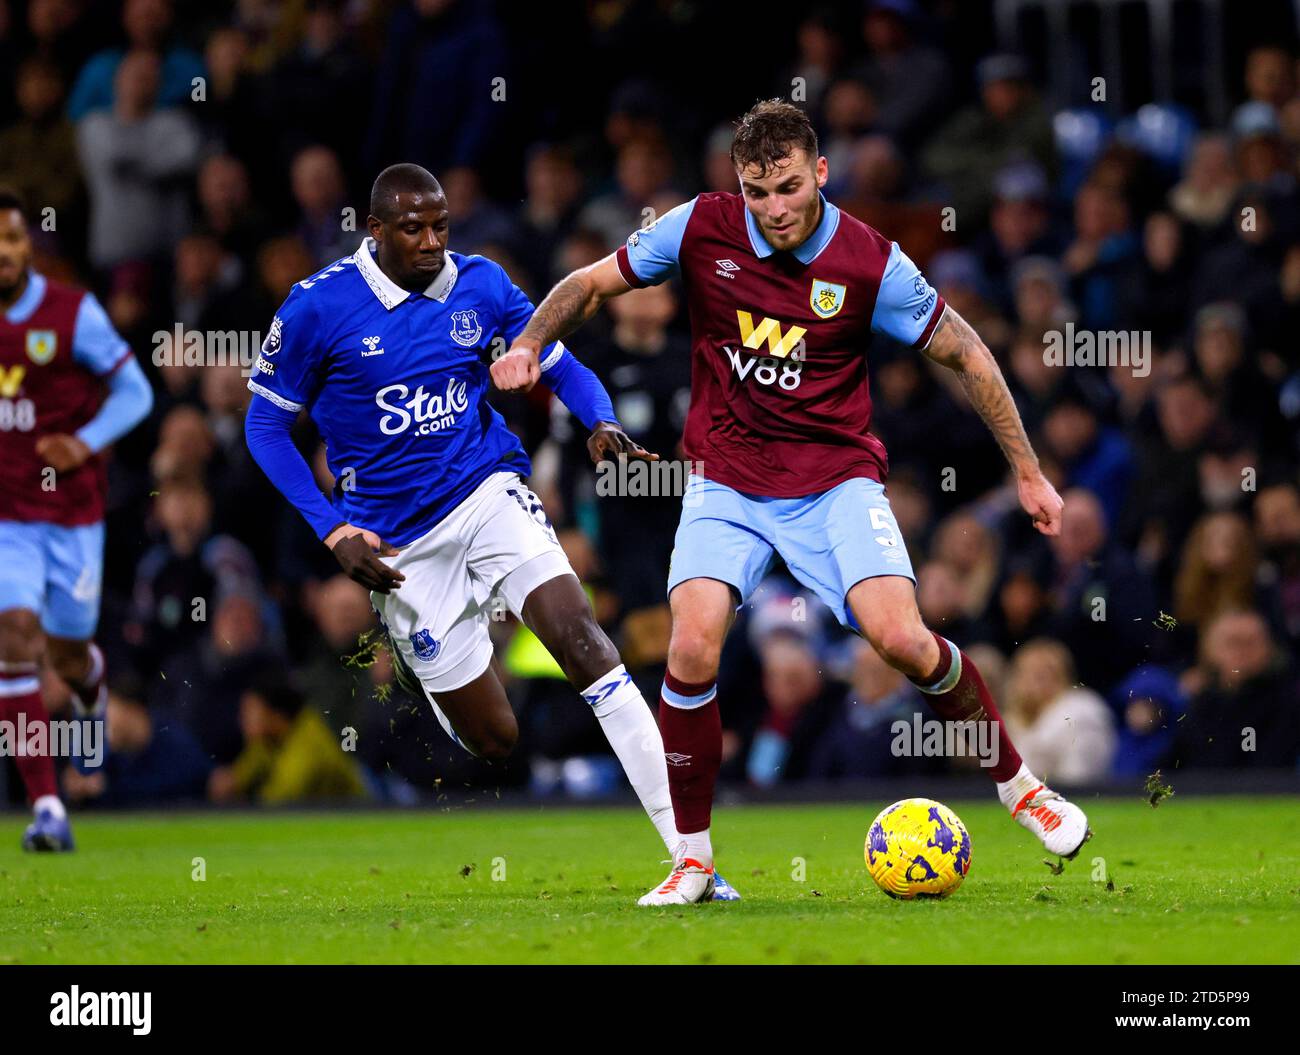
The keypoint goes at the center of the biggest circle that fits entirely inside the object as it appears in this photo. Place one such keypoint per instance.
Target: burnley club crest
(826, 298)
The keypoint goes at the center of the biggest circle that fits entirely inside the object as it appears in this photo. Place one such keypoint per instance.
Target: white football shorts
(496, 546)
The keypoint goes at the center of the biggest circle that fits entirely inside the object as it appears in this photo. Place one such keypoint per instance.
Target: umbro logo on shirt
(727, 268)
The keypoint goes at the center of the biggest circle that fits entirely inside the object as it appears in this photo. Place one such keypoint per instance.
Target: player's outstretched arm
(957, 346)
(267, 431)
(572, 302)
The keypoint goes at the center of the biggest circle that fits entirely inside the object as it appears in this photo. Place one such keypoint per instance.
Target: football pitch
(1198, 880)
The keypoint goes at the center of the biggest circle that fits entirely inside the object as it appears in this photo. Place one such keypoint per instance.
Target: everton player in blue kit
(388, 350)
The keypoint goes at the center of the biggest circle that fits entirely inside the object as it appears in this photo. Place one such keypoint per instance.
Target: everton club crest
(826, 298)
(41, 346)
(465, 328)
(426, 647)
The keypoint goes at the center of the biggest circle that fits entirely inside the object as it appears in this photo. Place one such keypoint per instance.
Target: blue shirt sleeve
(267, 428)
(649, 256)
(907, 307)
(96, 345)
(287, 372)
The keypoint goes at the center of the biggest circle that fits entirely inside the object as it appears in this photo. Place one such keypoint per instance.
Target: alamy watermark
(57, 738)
(635, 478)
(931, 738)
(1071, 347)
(181, 347)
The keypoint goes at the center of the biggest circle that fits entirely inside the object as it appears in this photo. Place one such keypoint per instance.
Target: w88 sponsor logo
(768, 370)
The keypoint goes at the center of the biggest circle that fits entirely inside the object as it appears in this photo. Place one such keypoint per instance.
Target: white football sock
(630, 728)
(699, 847)
(1013, 790)
(51, 803)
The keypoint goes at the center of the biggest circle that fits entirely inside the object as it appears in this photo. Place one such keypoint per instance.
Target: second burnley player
(785, 292)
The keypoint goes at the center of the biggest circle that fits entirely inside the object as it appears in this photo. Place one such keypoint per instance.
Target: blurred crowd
(190, 161)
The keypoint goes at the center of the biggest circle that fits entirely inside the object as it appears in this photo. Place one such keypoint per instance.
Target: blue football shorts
(830, 541)
(55, 571)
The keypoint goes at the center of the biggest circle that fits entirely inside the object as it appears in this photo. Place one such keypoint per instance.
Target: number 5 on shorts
(880, 522)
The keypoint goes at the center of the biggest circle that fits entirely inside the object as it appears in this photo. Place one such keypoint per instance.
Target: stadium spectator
(1061, 729)
(1150, 706)
(1244, 710)
(1091, 454)
(798, 701)
(1277, 528)
(148, 25)
(1101, 256)
(321, 195)
(148, 761)
(909, 81)
(289, 755)
(1009, 124)
(226, 206)
(860, 740)
(642, 170)
(552, 192)
(38, 152)
(433, 88)
(1102, 602)
(819, 56)
(137, 157)
(333, 671)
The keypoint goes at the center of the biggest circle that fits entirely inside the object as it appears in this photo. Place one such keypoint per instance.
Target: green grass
(1197, 880)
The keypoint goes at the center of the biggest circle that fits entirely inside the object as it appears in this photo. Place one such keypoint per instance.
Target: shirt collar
(390, 294)
(22, 309)
(815, 242)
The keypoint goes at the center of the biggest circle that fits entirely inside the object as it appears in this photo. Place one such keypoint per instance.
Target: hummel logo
(726, 267)
(675, 759)
(370, 343)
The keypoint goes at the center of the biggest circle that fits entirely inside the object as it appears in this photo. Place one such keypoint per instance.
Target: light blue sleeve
(96, 345)
(650, 254)
(287, 370)
(130, 398)
(907, 306)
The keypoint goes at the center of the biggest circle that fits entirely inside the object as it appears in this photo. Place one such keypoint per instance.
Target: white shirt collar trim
(389, 293)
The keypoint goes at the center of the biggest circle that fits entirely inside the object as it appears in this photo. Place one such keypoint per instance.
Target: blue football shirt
(397, 384)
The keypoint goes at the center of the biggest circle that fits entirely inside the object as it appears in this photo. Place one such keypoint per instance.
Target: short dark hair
(403, 178)
(772, 130)
(277, 691)
(11, 199)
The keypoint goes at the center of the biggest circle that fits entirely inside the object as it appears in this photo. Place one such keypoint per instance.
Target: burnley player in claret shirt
(785, 293)
(69, 387)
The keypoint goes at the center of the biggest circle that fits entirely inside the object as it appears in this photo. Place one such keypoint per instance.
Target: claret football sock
(958, 694)
(90, 695)
(630, 728)
(29, 724)
(692, 735)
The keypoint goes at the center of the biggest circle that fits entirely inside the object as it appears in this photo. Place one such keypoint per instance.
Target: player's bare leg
(885, 608)
(703, 610)
(21, 641)
(482, 721)
(559, 613)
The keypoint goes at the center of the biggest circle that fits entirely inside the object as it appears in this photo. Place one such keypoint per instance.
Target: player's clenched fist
(517, 370)
(1039, 499)
(355, 548)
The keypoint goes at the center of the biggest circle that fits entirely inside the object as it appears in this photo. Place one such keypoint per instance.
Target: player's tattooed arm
(957, 346)
(572, 302)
